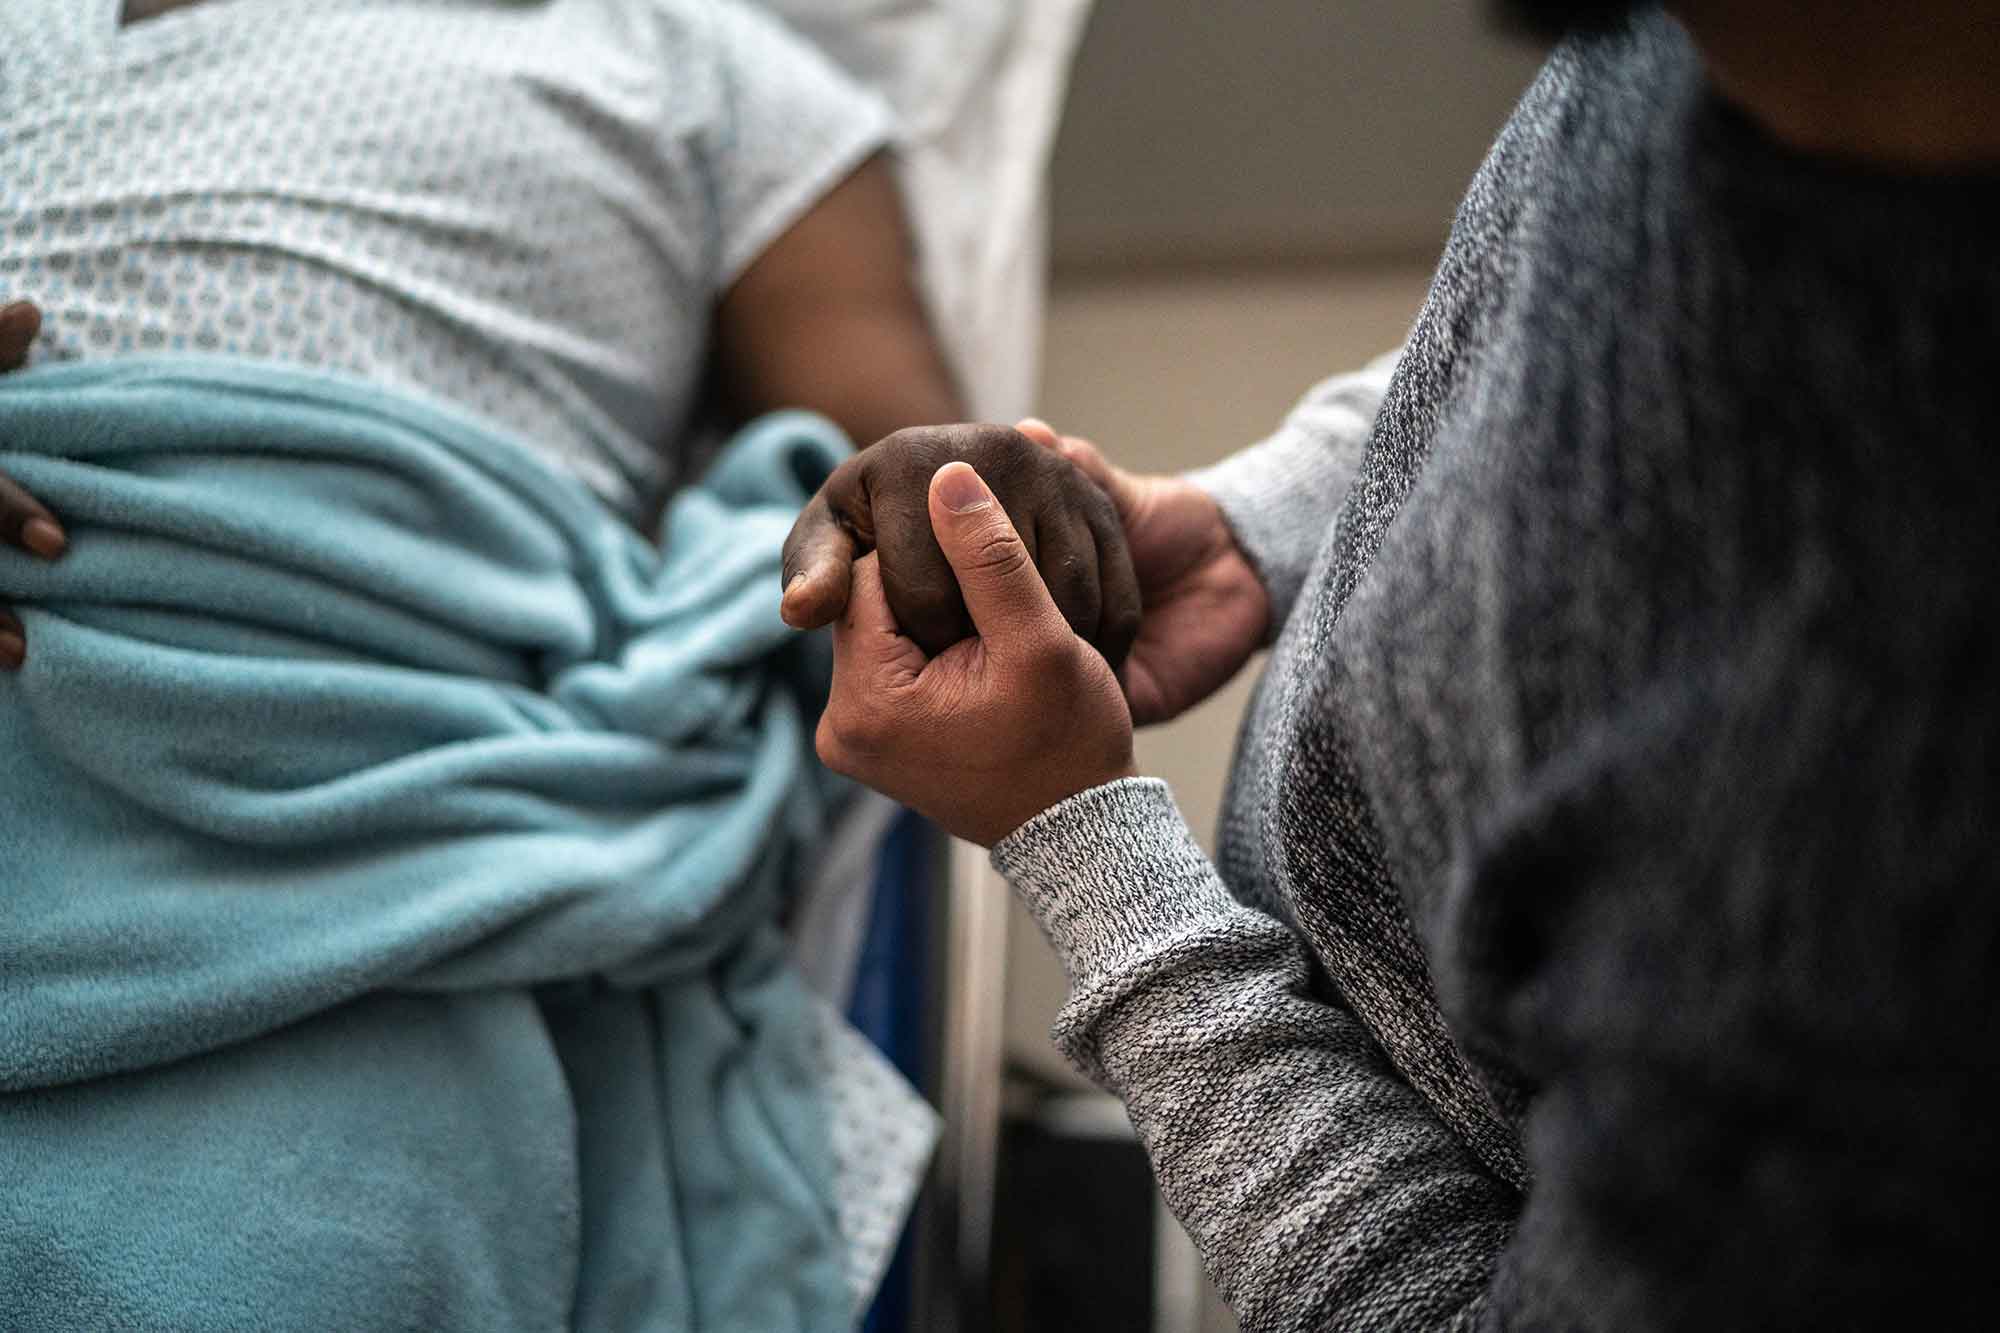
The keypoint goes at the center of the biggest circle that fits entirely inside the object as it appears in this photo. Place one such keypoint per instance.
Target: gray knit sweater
(1605, 928)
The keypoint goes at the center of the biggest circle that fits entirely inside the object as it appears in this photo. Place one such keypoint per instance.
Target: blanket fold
(368, 778)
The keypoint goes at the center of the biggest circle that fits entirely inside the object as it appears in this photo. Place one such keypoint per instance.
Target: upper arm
(829, 317)
(814, 265)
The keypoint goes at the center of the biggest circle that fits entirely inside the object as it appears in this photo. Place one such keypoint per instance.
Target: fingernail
(44, 538)
(13, 649)
(1035, 423)
(961, 489)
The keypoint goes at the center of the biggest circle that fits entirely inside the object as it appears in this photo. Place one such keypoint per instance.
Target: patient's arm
(829, 317)
(23, 521)
(880, 501)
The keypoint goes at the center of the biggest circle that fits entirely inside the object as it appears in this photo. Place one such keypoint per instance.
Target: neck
(1911, 85)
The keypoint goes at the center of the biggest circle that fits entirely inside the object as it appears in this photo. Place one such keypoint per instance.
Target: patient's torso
(527, 209)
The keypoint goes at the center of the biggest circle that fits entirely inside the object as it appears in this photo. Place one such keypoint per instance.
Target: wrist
(1265, 504)
(1067, 787)
(1109, 873)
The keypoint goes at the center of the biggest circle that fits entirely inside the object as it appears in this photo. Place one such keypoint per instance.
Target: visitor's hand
(878, 500)
(987, 734)
(23, 521)
(1204, 610)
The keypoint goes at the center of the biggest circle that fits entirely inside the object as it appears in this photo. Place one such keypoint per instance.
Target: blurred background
(1245, 199)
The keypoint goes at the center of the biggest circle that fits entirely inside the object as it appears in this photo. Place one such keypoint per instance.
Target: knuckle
(791, 562)
(913, 449)
(840, 505)
(1050, 655)
(1102, 508)
(835, 481)
(1076, 593)
(851, 731)
(910, 437)
(827, 746)
(996, 550)
(1011, 462)
(1084, 492)
(991, 440)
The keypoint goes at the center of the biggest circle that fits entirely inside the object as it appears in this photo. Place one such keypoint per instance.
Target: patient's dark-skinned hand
(24, 523)
(879, 501)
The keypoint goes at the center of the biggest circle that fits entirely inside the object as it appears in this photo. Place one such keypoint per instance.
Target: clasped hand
(997, 727)
(982, 733)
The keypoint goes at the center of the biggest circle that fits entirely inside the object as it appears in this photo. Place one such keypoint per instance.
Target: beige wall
(1292, 130)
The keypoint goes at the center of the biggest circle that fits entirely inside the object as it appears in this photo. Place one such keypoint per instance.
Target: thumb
(1003, 590)
(818, 564)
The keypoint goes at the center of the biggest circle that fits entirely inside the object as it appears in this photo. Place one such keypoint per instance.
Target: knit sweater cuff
(1277, 498)
(1112, 874)
(1280, 497)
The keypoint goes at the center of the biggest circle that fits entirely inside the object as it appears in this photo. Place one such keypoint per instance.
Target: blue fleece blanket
(393, 847)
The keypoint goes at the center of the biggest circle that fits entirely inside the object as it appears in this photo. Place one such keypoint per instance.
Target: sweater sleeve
(1277, 495)
(1318, 1186)
(1754, 1004)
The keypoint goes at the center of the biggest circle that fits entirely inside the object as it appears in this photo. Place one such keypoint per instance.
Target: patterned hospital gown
(528, 209)
(525, 207)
